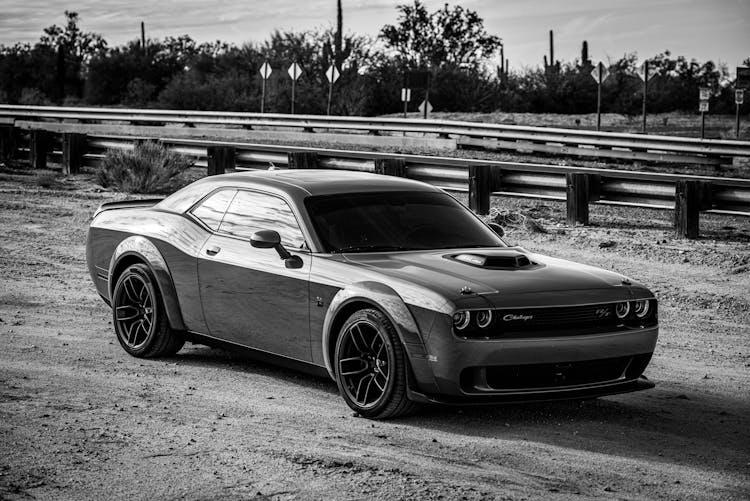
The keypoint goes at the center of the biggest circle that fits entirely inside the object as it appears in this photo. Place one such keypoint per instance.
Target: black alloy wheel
(371, 366)
(138, 315)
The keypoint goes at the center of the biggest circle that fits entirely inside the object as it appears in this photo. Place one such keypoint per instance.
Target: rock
(607, 243)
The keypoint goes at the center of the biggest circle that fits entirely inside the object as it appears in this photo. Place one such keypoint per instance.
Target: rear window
(211, 210)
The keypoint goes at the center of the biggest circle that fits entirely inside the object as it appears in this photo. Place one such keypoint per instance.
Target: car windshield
(392, 221)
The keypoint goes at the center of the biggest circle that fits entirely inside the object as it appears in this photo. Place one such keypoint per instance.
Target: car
(390, 286)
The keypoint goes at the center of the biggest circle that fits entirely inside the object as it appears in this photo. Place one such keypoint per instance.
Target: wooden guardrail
(687, 195)
(467, 134)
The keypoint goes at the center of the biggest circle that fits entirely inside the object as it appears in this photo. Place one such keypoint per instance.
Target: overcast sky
(718, 30)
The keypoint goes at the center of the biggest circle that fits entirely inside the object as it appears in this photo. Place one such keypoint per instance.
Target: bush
(147, 168)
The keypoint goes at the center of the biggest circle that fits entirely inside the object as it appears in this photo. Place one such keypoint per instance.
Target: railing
(686, 195)
(467, 134)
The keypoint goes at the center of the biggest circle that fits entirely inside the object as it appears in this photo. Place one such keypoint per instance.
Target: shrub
(46, 179)
(147, 168)
(33, 96)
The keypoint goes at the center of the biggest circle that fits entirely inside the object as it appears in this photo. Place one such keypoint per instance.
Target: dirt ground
(80, 419)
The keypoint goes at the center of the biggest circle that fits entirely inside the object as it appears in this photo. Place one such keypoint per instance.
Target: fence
(686, 195)
(584, 143)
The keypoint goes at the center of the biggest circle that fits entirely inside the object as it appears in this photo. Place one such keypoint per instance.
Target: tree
(452, 35)
(74, 49)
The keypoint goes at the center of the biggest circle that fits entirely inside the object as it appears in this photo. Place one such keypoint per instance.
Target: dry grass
(148, 168)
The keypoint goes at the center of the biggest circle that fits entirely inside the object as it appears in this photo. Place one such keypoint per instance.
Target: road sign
(743, 77)
(295, 70)
(600, 72)
(405, 95)
(422, 107)
(266, 70)
(642, 70)
(739, 96)
(332, 73)
(704, 93)
(703, 106)
(417, 79)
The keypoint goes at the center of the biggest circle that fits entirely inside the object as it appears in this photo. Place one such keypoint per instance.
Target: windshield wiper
(370, 248)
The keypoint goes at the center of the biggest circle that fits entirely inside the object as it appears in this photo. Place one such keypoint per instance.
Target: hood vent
(507, 261)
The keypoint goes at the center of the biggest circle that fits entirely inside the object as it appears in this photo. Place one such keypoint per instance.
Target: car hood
(454, 278)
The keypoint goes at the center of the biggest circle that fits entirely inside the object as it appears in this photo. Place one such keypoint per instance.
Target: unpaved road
(80, 419)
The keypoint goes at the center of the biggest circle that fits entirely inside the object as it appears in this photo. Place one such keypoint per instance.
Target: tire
(139, 318)
(371, 367)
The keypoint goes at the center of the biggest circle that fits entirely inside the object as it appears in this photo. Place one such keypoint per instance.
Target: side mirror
(497, 229)
(265, 239)
(270, 239)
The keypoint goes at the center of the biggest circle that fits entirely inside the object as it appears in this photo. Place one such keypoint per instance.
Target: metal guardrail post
(480, 188)
(220, 159)
(39, 147)
(7, 142)
(303, 160)
(390, 166)
(577, 198)
(73, 149)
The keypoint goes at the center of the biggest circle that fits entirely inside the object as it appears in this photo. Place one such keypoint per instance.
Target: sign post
(295, 70)
(406, 97)
(265, 73)
(419, 80)
(739, 98)
(332, 74)
(704, 93)
(643, 73)
(600, 73)
(742, 83)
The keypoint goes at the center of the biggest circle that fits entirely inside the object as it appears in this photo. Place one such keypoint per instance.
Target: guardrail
(578, 186)
(587, 143)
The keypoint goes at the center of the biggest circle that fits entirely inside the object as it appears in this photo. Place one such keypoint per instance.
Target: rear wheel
(371, 366)
(139, 318)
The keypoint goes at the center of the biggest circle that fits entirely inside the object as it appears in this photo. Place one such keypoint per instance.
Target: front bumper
(534, 396)
(530, 369)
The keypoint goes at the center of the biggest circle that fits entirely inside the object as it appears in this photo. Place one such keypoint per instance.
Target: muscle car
(390, 286)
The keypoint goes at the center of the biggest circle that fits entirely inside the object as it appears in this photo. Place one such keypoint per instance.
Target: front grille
(557, 375)
(598, 315)
(564, 320)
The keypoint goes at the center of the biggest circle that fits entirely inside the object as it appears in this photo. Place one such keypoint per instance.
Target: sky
(717, 30)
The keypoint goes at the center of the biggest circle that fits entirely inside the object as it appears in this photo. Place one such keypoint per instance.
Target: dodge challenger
(390, 286)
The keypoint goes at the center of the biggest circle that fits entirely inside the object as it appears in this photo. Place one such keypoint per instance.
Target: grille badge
(511, 317)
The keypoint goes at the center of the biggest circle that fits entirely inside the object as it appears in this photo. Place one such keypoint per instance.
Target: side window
(250, 212)
(212, 209)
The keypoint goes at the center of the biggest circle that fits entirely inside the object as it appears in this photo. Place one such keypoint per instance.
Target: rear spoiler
(128, 204)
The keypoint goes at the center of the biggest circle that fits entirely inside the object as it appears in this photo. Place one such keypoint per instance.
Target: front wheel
(371, 366)
(139, 318)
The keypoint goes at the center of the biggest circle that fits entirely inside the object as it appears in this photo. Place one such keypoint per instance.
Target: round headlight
(641, 308)
(461, 320)
(484, 317)
(622, 310)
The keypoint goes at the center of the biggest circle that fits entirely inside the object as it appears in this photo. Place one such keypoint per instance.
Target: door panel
(251, 298)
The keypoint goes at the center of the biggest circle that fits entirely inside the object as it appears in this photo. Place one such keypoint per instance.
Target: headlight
(622, 309)
(461, 320)
(484, 317)
(641, 308)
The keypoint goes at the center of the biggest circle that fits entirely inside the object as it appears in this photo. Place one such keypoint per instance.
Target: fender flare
(146, 251)
(389, 302)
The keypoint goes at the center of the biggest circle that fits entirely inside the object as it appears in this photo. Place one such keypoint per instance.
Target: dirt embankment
(80, 419)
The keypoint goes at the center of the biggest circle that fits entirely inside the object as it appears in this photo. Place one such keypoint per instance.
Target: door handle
(212, 251)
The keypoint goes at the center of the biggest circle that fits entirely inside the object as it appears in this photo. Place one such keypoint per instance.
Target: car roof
(297, 184)
(326, 182)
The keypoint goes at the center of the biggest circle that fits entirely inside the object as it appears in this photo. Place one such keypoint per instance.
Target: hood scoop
(503, 260)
